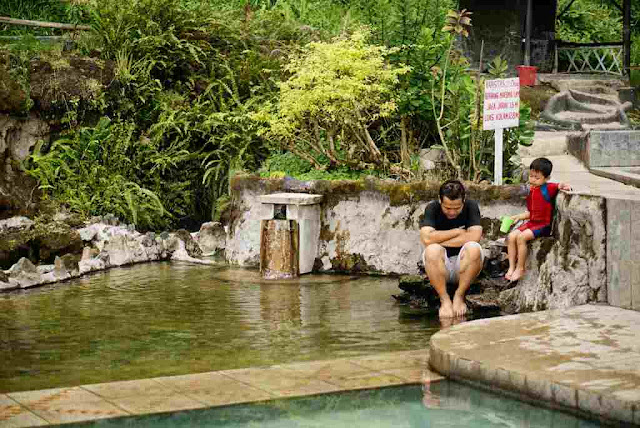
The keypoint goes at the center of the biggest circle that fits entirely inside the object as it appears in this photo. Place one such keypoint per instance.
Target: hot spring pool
(440, 405)
(161, 319)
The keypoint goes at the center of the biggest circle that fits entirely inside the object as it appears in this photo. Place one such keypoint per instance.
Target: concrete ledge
(582, 359)
(212, 389)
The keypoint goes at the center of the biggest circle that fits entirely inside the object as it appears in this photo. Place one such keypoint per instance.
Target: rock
(25, 274)
(123, 249)
(13, 98)
(88, 233)
(191, 247)
(430, 158)
(42, 269)
(24, 266)
(70, 262)
(427, 165)
(211, 238)
(485, 302)
(4, 277)
(17, 222)
(54, 239)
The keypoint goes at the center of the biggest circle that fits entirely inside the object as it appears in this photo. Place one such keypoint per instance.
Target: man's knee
(434, 252)
(472, 251)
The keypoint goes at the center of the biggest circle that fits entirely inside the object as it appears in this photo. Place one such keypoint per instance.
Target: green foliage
(93, 170)
(335, 92)
(498, 68)
(589, 21)
(42, 10)
(289, 165)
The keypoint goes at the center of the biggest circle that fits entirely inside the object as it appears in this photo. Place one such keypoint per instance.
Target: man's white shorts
(452, 264)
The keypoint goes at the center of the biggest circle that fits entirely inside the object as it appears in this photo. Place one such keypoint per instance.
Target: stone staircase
(586, 104)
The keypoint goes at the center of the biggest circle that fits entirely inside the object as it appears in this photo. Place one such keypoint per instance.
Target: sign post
(501, 110)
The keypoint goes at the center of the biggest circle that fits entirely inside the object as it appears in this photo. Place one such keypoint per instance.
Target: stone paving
(204, 390)
(584, 359)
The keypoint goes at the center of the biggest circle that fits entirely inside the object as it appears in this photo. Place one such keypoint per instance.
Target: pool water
(440, 405)
(162, 319)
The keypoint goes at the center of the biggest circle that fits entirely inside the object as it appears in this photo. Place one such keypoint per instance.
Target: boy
(540, 204)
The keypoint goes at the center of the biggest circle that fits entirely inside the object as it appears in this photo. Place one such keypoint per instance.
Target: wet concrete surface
(584, 359)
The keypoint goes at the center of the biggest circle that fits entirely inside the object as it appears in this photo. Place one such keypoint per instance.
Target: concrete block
(624, 284)
(538, 388)
(635, 286)
(619, 148)
(291, 199)
(596, 149)
(439, 361)
(618, 251)
(266, 211)
(564, 395)
(606, 405)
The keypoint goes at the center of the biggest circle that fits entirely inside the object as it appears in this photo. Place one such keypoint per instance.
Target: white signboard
(501, 110)
(501, 103)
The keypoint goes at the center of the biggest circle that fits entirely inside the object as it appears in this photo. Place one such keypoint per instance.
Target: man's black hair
(452, 189)
(542, 165)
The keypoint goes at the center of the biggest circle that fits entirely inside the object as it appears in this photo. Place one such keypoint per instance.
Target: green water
(439, 405)
(161, 319)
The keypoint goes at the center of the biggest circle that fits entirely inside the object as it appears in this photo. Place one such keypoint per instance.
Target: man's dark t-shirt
(434, 217)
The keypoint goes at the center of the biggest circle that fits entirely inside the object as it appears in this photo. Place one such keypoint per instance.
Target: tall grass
(42, 10)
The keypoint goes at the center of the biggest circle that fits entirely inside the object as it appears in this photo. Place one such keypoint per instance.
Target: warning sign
(501, 103)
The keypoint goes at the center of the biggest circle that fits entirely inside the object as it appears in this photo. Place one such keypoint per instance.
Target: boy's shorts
(452, 264)
(538, 229)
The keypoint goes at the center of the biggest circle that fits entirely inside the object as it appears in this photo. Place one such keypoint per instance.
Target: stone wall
(371, 226)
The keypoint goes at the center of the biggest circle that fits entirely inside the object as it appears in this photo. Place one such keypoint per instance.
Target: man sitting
(450, 230)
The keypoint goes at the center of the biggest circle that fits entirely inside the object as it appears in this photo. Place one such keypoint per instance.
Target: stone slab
(211, 389)
(584, 359)
(291, 199)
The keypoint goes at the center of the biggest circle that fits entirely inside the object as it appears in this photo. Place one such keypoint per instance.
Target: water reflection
(168, 319)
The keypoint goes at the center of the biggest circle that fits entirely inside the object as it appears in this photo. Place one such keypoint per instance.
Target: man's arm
(428, 235)
(474, 233)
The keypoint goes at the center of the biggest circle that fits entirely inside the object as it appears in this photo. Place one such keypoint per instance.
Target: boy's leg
(512, 252)
(469, 266)
(434, 263)
(522, 241)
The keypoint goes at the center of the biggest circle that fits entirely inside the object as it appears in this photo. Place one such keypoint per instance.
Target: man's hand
(428, 235)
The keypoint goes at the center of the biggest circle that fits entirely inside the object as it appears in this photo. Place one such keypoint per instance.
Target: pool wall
(371, 226)
(615, 154)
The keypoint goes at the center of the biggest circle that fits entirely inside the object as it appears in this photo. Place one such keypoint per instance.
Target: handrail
(563, 44)
(43, 24)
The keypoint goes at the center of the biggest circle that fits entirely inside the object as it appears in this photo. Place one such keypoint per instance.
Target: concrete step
(545, 143)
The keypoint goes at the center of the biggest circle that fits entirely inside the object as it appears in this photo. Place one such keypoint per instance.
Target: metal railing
(604, 58)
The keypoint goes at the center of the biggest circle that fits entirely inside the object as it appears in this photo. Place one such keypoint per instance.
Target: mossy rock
(40, 243)
(56, 80)
(55, 239)
(14, 244)
(13, 99)
(193, 249)
(70, 261)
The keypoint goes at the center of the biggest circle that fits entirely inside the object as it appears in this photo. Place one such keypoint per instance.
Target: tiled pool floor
(202, 390)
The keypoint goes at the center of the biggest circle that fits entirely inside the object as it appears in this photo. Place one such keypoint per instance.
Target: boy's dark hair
(542, 165)
(452, 189)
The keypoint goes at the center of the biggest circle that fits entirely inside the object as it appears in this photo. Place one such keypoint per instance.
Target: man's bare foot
(446, 309)
(459, 306)
(448, 322)
(517, 274)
